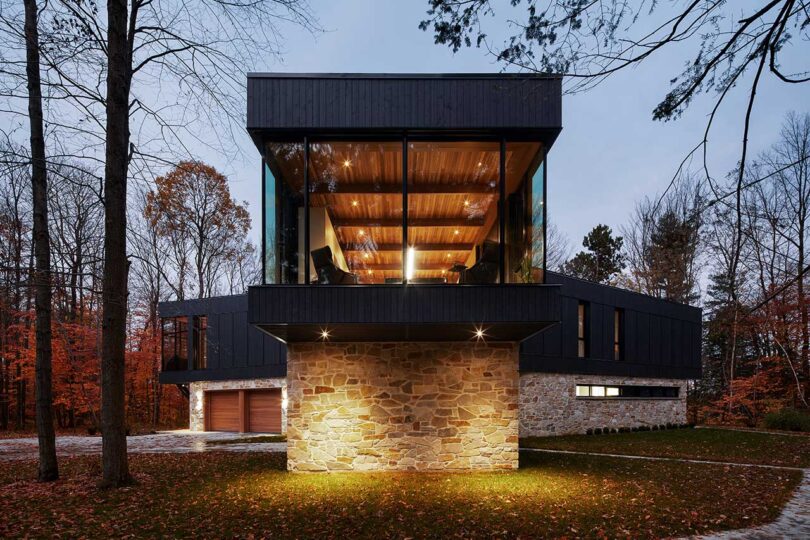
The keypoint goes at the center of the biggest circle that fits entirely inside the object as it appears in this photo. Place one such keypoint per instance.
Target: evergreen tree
(603, 258)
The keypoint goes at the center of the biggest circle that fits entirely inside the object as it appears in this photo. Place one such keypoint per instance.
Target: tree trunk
(48, 468)
(115, 469)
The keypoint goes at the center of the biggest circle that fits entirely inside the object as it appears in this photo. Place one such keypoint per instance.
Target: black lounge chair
(485, 269)
(328, 272)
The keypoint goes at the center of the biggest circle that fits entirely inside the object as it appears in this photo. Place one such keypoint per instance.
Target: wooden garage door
(264, 411)
(222, 411)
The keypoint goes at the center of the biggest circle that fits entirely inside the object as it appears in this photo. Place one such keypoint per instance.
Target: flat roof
(289, 75)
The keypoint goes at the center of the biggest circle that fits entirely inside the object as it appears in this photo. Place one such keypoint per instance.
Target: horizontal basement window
(626, 391)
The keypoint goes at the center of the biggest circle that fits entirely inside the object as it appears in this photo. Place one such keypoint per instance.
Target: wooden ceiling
(452, 199)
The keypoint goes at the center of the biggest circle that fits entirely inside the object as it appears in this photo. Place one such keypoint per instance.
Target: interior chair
(328, 272)
(485, 269)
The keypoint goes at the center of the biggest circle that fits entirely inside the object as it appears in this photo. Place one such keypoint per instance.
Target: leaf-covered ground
(250, 495)
(709, 444)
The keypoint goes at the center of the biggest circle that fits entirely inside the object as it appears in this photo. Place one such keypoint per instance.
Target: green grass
(244, 440)
(237, 494)
(709, 444)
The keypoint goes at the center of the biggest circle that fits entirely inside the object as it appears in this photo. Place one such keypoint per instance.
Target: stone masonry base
(196, 420)
(549, 406)
(402, 406)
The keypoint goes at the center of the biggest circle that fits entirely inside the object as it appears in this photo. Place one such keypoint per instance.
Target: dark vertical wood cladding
(358, 101)
(662, 339)
(398, 304)
(236, 350)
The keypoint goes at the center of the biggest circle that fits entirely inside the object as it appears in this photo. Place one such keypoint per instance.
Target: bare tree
(48, 468)
(558, 247)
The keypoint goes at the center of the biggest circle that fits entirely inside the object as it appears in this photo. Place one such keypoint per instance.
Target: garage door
(264, 410)
(222, 411)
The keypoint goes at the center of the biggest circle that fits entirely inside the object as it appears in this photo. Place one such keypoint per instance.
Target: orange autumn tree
(192, 210)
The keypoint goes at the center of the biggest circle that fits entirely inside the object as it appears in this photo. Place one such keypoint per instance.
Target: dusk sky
(610, 153)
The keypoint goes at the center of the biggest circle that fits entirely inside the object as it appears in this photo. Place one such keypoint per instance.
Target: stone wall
(549, 406)
(402, 406)
(196, 420)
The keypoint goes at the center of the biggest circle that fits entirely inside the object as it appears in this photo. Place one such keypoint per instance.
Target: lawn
(709, 444)
(245, 495)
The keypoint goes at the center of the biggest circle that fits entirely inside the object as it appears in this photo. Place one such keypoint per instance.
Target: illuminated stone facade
(549, 406)
(402, 406)
(196, 389)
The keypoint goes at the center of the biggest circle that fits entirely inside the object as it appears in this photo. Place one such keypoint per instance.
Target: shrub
(788, 420)
(589, 431)
(597, 431)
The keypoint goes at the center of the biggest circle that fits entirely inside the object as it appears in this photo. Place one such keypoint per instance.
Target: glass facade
(355, 212)
(453, 225)
(419, 211)
(525, 212)
(284, 213)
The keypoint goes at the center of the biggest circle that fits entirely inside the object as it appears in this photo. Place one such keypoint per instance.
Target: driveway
(181, 441)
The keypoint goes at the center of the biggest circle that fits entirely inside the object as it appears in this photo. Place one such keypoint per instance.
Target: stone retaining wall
(549, 406)
(196, 421)
(402, 406)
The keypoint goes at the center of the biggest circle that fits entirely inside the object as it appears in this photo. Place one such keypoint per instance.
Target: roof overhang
(386, 313)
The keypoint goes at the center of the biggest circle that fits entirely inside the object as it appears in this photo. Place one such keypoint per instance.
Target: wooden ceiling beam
(370, 223)
(367, 188)
(353, 248)
(397, 266)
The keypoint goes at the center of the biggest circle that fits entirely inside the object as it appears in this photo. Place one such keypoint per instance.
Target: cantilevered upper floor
(403, 180)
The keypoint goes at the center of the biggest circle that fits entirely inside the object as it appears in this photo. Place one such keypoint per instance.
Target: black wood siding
(662, 339)
(426, 102)
(395, 304)
(236, 349)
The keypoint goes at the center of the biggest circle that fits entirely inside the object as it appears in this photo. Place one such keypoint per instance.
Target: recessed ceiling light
(361, 232)
(355, 203)
(480, 164)
(365, 255)
(456, 232)
(370, 272)
(448, 255)
(347, 163)
(324, 334)
(467, 203)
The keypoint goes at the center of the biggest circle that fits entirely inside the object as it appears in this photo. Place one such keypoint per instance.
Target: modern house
(406, 320)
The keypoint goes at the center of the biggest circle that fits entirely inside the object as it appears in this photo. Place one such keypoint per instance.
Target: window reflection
(525, 212)
(174, 345)
(284, 213)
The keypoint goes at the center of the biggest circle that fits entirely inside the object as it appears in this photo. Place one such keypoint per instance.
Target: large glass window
(475, 212)
(525, 212)
(355, 212)
(174, 346)
(284, 213)
(453, 225)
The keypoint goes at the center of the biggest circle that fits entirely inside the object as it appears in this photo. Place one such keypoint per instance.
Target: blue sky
(610, 153)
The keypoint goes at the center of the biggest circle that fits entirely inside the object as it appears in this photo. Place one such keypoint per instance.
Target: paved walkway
(181, 441)
(793, 522)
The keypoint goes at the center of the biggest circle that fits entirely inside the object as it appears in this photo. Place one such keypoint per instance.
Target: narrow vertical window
(618, 334)
(582, 330)
(174, 346)
(200, 342)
